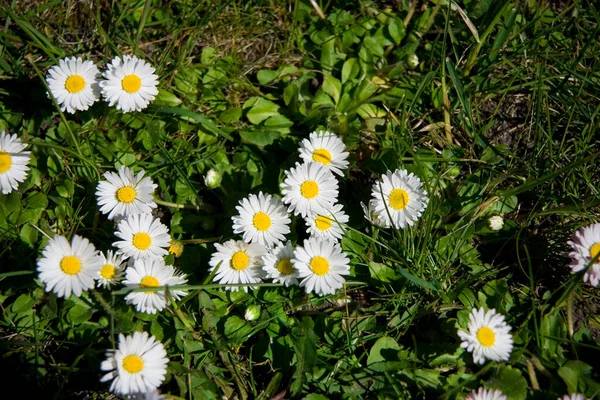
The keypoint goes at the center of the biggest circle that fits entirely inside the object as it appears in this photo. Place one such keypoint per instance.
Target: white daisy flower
(278, 264)
(488, 337)
(495, 222)
(112, 270)
(586, 246)
(572, 396)
(371, 216)
(148, 274)
(329, 224)
(240, 262)
(485, 394)
(309, 188)
(74, 84)
(138, 365)
(13, 162)
(320, 265)
(143, 237)
(130, 83)
(68, 268)
(327, 149)
(263, 219)
(398, 198)
(125, 193)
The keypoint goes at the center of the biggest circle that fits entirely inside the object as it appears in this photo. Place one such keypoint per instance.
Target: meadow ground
(493, 105)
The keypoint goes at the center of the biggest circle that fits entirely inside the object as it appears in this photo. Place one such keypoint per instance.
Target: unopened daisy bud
(212, 179)
(413, 61)
(495, 222)
(176, 248)
(252, 313)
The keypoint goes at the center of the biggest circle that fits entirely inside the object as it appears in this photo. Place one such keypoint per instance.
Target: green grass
(499, 116)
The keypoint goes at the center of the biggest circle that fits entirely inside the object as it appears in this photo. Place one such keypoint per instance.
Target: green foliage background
(493, 104)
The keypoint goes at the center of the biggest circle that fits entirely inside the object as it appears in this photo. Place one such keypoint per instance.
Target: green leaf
(396, 30)
(208, 55)
(23, 303)
(384, 349)
(382, 272)
(29, 235)
(231, 115)
(237, 329)
(575, 373)
(373, 45)
(78, 314)
(166, 98)
(259, 138)
(333, 87)
(510, 382)
(261, 110)
(265, 76)
(328, 57)
(350, 69)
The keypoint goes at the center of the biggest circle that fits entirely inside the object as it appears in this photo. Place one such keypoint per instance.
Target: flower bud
(212, 179)
(495, 222)
(252, 313)
(176, 248)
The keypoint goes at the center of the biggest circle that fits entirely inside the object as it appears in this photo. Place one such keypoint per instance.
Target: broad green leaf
(23, 303)
(208, 55)
(350, 69)
(333, 87)
(29, 235)
(510, 382)
(237, 329)
(261, 110)
(266, 76)
(382, 272)
(231, 115)
(259, 138)
(575, 373)
(396, 30)
(328, 57)
(166, 98)
(384, 349)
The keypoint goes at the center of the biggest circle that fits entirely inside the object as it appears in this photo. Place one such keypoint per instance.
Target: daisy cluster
(310, 192)
(71, 268)
(66, 268)
(127, 82)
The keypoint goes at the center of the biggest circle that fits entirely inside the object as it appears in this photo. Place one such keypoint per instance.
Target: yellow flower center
(126, 194)
(309, 189)
(133, 364)
(261, 221)
(142, 241)
(319, 265)
(398, 199)
(70, 265)
(322, 155)
(323, 223)
(5, 162)
(594, 250)
(240, 261)
(108, 271)
(75, 84)
(285, 267)
(486, 336)
(149, 281)
(131, 83)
